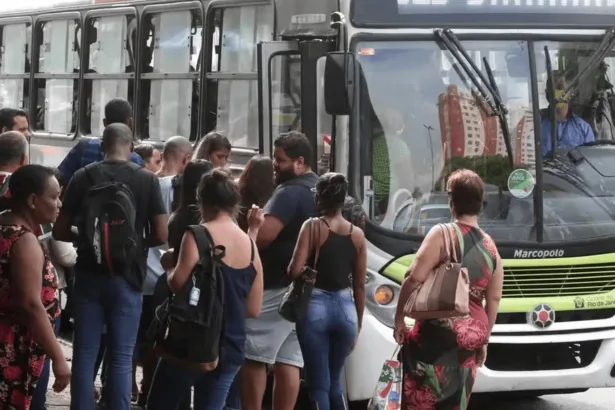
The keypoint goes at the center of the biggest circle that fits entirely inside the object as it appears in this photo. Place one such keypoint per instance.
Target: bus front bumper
(376, 345)
(594, 369)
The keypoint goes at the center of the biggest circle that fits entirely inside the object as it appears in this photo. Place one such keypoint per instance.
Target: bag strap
(94, 172)
(450, 244)
(447, 242)
(203, 239)
(205, 243)
(316, 239)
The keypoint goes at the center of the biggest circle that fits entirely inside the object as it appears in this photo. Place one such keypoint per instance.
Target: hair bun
(338, 179)
(220, 175)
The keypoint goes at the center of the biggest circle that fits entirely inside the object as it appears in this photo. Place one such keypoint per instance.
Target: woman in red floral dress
(28, 289)
(441, 357)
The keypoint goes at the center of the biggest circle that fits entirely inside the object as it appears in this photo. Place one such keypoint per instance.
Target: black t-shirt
(292, 203)
(178, 222)
(145, 188)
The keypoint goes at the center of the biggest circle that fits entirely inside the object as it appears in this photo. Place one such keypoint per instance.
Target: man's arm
(279, 211)
(157, 214)
(72, 161)
(136, 158)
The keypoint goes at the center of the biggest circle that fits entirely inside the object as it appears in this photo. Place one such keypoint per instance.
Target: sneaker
(141, 400)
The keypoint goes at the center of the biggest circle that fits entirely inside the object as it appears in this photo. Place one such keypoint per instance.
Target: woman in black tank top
(332, 322)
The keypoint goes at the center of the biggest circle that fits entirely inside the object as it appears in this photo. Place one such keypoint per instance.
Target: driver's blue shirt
(570, 133)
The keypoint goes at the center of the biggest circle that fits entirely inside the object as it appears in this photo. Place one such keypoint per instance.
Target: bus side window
(169, 106)
(107, 40)
(15, 65)
(56, 98)
(232, 104)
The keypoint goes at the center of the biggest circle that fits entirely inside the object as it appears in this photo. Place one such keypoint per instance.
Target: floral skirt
(435, 387)
(21, 364)
(439, 363)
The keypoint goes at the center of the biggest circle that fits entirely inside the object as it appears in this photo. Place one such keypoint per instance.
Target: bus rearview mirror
(339, 83)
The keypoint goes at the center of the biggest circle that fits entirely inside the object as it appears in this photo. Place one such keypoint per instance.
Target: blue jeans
(170, 383)
(233, 400)
(99, 300)
(326, 335)
(39, 398)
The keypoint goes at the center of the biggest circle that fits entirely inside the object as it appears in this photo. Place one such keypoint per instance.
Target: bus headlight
(381, 296)
(384, 295)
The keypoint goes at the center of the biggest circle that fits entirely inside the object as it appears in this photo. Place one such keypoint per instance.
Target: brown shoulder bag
(446, 292)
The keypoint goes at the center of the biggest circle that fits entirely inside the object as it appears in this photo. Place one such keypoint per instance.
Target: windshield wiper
(606, 45)
(550, 80)
(487, 87)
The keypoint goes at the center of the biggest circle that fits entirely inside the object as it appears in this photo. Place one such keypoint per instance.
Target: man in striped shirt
(88, 151)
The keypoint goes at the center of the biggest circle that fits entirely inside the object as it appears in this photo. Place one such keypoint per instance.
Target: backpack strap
(94, 172)
(252, 250)
(205, 243)
(203, 239)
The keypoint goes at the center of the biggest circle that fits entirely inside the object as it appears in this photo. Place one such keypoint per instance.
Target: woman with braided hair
(328, 330)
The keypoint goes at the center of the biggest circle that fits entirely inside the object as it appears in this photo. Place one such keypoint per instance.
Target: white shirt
(62, 255)
(154, 268)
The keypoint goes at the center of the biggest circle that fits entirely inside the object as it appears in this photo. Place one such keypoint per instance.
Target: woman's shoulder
(12, 231)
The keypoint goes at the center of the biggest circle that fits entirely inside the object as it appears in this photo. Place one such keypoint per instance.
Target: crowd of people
(276, 219)
(261, 220)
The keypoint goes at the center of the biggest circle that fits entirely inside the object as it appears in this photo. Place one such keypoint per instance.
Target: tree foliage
(493, 169)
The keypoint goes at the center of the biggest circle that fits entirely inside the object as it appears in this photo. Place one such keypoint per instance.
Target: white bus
(396, 94)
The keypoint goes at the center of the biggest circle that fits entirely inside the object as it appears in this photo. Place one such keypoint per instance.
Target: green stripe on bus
(397, 269)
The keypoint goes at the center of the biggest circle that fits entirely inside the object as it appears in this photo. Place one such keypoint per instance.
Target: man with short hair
(571, 130)
(176, 154)
(271, 340)
(12, 119)
(88, 150)
(13, 155)
(107, 298)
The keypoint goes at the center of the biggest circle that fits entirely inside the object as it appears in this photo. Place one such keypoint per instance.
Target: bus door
(288, 82)
(279, 82)
(316, 123)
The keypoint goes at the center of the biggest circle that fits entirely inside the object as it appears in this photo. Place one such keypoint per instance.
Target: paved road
(596, 399)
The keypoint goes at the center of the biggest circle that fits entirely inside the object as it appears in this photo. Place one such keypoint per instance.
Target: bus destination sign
(506, 6)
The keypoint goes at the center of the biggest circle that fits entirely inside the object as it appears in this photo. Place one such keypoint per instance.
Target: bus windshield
(422, 118)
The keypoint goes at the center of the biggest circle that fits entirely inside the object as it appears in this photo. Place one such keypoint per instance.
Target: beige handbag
(446, 292)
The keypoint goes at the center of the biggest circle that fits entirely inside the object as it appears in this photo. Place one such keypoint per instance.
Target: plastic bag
(387, 395)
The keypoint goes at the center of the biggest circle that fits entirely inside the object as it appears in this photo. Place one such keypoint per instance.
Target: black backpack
(191, 335)
(108, 223)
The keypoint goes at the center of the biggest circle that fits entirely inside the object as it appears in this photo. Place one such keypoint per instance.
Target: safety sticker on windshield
(521, 183)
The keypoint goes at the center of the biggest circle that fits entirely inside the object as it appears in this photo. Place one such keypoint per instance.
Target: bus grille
(568, 280)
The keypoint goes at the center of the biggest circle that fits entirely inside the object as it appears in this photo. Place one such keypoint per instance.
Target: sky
(32, 4)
